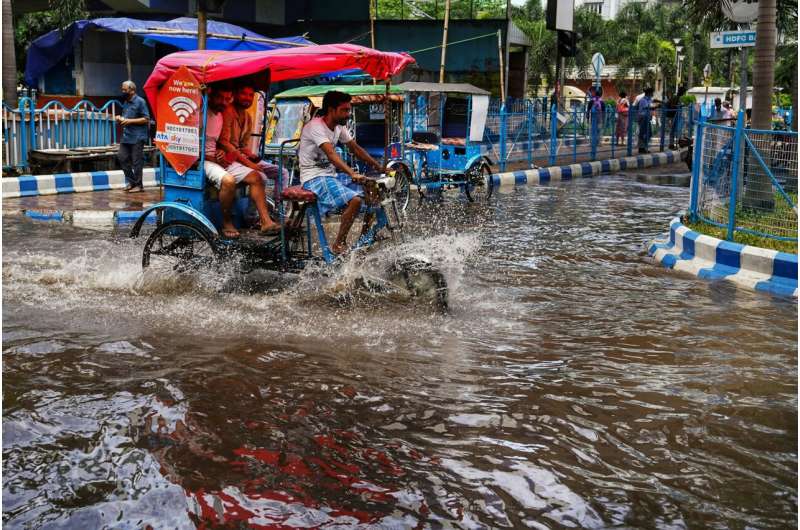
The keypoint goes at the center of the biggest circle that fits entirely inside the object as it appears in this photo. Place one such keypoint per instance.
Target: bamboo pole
(444, 40)
(128, 54)
(502, 68)
(201, 29)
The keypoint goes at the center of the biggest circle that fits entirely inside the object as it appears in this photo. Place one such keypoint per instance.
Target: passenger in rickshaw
(226, 176)
(237, 127)
(323, 172)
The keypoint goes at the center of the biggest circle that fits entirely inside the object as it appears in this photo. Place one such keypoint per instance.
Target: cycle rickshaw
(187, 236)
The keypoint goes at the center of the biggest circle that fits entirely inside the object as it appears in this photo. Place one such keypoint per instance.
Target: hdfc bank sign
(178, 123)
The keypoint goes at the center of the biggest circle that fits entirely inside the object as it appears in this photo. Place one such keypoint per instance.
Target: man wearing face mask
(135, 119)
(322, 170)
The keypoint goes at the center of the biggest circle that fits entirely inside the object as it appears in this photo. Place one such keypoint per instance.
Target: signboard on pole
(559, 14)
(180, 105)
(598, 62)
(733, 39)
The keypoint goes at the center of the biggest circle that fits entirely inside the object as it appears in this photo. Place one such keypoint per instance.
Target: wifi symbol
(183, 107)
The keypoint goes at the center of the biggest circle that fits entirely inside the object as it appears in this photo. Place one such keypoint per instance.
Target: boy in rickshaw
(225, 177)
(323, 172)
(237, 127)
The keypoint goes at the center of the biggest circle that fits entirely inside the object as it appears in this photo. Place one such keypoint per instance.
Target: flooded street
(574, 384)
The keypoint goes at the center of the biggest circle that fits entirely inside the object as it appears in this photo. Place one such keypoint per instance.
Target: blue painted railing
(54, 127)
(745, 180)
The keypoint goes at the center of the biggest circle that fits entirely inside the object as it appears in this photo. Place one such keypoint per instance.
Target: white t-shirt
(213, 130)
(313, 160)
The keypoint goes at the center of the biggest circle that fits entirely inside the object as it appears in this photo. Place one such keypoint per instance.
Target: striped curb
(584, 169)
(85, 218)
(33, 185)
(714, 259)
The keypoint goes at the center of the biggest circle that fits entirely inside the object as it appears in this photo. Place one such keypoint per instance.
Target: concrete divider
(32, 185)
(714, 259)
(585, 169)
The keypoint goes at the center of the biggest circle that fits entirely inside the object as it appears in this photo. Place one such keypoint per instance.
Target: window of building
(594, 7)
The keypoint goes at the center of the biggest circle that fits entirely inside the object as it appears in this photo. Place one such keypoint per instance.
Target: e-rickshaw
(446, 124)
(291, 109)
(187, 237)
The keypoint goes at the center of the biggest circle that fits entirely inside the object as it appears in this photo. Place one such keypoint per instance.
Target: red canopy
(288, 63)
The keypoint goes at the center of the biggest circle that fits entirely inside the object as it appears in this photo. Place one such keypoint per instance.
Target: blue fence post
(663, 125)
(24, 134)
(737, 153)
(553, 133)
(503, 135)
(697, 164)
(613, 117)
(594, 132)
(574, 135)
(529, 116)
(631, 119)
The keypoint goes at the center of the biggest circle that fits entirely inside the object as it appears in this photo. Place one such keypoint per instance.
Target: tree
(9, 59)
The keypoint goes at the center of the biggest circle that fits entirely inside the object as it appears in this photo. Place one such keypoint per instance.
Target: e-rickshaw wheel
(179, 247)
(479, 183)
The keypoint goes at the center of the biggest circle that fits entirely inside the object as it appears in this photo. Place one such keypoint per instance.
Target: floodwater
(574, 384)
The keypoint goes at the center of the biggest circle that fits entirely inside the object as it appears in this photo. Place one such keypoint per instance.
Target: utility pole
(201, 25)
(444, 40)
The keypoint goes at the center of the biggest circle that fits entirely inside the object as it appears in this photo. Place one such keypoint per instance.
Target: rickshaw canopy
(209, 66)
(359, 93)
(452, 88)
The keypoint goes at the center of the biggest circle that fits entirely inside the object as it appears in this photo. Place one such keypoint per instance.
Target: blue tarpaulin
(46, 51)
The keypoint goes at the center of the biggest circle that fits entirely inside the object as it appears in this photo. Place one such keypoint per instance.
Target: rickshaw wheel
(422, 280)
(402, 188)
(179, 247)
(479, 185)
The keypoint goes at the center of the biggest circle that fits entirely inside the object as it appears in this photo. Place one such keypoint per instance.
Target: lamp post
(677, 41)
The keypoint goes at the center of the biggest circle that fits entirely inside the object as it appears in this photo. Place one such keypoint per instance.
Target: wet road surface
(573, 384)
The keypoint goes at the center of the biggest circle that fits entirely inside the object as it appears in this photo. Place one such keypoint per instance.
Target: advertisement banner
(178, 125)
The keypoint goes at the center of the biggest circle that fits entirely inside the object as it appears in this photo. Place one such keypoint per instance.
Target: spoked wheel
(479, 185)
(421, 280)
(179, 247)
(402, 188)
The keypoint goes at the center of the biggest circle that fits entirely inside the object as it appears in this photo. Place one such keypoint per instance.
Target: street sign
(598, 62)
(733, 39)
(707, 75)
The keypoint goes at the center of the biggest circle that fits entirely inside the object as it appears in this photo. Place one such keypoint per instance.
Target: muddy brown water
(574, 384)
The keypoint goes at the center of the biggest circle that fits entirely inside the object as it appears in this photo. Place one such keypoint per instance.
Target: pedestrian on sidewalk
(622, 118)
(644, 110)
(674, 115)
(135, 121)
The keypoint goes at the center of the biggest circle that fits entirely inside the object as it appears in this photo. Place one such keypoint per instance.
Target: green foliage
(688, 99)
(30, 26)
(434, 9)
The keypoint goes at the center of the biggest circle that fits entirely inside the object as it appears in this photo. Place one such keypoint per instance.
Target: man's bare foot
(230, 232)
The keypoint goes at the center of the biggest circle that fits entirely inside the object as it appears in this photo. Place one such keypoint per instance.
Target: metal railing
(745, 180)
(530, 132)
(55, 127)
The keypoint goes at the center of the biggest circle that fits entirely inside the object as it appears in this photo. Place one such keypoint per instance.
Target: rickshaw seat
(425, 137)
(454, 141)
(298, 194)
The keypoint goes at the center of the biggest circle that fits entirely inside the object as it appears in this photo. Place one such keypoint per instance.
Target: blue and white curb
(33, 185)
(583, 169)
(714, 259)
(87, 218)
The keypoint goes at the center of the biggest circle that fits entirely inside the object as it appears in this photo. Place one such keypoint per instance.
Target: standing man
(674, 115)
(135, 120)
(643, 115)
